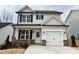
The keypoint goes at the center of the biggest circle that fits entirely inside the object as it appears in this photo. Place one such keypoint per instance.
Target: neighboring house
(73, 22)
(0, 21)
(39, 27)
(5, 30)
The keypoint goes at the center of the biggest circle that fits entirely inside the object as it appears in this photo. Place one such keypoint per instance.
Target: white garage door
(54, 38)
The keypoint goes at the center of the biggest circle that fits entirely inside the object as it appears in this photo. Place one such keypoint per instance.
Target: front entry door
(37, 39)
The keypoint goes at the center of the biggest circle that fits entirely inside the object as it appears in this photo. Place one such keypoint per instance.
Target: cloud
(75, 7)
(62, 8)
(67, 11)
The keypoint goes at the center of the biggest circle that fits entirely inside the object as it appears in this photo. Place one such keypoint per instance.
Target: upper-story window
(26, 18)
(23, 18)
(39, 17)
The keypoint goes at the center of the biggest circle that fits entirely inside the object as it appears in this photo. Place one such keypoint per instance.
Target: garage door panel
(53, 38)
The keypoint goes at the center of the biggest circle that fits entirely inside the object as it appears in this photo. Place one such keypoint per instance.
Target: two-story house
(39, 27)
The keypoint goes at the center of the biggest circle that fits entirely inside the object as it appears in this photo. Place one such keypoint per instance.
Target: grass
(13, 51)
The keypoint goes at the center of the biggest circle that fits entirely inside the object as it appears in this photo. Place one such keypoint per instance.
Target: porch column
(42, 33)
(43, 38)
(28, 41)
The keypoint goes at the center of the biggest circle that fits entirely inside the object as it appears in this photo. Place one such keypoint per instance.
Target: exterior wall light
(43, 32)
(64, 32)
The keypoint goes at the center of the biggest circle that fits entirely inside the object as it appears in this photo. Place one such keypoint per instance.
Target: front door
(37, 39)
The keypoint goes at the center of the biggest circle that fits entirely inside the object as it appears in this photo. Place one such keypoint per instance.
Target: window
(28, 18)
(37, 34)
(23, 19)
(27, 34)
(39, 17)
(23, 34)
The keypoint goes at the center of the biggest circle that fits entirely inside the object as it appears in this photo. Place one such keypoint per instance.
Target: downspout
(67, 34)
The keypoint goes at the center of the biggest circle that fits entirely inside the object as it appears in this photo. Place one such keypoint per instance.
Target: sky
(62, 8)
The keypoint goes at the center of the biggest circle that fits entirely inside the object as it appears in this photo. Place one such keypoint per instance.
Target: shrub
(7, 43)
(2, 47)
(7, 40)
(73, 40)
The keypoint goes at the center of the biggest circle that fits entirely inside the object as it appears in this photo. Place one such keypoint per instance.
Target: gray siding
(73, 21)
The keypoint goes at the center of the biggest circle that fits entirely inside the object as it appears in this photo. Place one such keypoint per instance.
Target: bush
(2, 47)
(7, 40)
(73, 40)
(7, 44)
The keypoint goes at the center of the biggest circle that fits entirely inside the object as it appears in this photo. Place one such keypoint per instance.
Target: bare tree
(6, 15)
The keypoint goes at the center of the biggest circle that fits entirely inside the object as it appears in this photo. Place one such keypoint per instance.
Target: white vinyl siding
(4, 32)
(35, 21)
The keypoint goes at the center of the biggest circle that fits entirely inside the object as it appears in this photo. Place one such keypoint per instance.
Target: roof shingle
(43, 11)
(4, 24)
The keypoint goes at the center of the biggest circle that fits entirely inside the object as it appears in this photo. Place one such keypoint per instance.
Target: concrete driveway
(38, 49)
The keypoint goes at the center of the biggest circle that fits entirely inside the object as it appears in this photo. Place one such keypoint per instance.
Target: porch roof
(35, 25)
(26, 24)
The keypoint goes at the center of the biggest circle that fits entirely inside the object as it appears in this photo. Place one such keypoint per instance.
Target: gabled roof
(26, 7)
(34, 25)
(4, 24)
(38, 11)
(47, 11)
(58, 19)
(68, 16)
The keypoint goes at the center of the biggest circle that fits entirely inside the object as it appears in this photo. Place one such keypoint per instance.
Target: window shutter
(20, 17)
(42, 16)
(36, 16)
(31, 18)
(19, 34)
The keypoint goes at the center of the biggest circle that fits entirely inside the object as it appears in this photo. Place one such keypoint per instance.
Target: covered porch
(26, 35)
